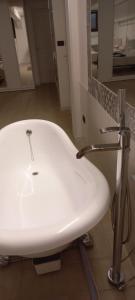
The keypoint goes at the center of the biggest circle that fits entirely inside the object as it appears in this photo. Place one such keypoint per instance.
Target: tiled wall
(110, 102)
(105, 97)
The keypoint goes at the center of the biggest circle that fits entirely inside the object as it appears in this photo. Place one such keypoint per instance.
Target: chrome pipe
(115, 275)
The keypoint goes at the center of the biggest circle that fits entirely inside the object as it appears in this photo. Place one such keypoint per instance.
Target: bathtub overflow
(28, 132)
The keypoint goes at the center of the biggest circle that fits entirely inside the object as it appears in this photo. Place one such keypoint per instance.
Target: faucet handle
(116, 129)
(110, 129)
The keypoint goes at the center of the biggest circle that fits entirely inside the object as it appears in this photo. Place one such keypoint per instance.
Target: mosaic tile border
(110, 102)
(107, 99)
(130, 119)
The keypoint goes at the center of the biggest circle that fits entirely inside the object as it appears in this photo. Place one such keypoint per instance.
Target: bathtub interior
(53, 190)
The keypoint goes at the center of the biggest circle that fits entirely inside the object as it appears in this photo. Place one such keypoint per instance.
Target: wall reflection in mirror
(94, 37)
(113, 43)
(124, 38)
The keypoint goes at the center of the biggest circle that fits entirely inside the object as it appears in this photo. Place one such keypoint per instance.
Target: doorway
(18, 24)
(15, 60)
(33, 48)
(41, 38)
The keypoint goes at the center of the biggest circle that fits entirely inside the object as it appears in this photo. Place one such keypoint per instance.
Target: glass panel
(124, 38)
(2, 73)
(21, 44)
(94, 37)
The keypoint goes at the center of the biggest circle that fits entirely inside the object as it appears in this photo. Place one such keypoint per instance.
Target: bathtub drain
(35, 173)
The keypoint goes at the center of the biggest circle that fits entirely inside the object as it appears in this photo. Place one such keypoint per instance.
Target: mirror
(124, 38)
(94, 37)
(113, 44)
(17, 16)
(2, 73)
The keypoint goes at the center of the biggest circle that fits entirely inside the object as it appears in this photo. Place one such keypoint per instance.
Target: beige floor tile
(10, 278)
(106, 291)
(102, 245)
(111, 294)
(130, 292)
(41, 103)
(68, 283)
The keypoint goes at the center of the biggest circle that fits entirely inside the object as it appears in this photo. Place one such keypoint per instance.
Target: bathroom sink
(48, 198)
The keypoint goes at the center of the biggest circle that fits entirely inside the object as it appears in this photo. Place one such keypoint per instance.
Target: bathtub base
(87, 240)
(47, 264)
(6, 260)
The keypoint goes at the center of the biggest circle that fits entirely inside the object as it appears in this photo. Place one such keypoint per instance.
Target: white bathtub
(48, 198)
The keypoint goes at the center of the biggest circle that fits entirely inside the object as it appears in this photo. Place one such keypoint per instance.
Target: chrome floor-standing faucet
(115, 275)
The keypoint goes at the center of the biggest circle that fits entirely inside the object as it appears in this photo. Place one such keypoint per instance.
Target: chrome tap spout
(96, 148)
(123, 143)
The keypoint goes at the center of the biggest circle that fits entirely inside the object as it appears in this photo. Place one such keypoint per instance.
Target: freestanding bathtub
(48, 198)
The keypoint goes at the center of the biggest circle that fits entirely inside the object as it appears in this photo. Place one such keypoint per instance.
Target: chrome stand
(87, 267)
(123, 147)
(115, 275)
(118, 280)
(7, 260)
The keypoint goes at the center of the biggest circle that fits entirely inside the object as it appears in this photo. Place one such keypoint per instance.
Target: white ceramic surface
(65, 198)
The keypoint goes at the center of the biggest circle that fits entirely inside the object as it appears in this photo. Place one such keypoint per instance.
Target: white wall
(22, 42)
(77, 43)
(59, 19)
(82, 8)
(106, 28)
(97, 118)
(82, 102)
